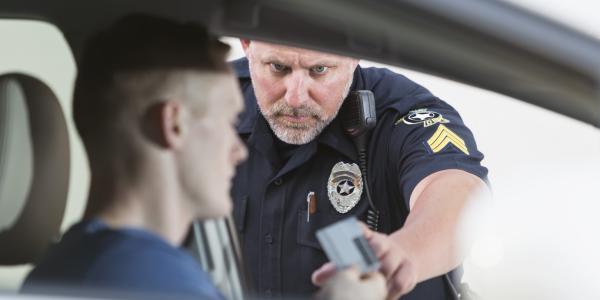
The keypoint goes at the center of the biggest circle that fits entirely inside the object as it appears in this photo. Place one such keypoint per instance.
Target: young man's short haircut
(137, 44)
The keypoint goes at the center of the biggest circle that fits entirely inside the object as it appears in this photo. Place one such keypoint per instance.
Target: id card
(345, 246)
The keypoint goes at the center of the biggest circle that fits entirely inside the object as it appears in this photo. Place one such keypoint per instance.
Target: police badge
(344, 186)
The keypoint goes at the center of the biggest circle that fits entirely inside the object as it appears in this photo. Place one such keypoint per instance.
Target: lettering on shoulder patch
(443, 137)
(424, 116)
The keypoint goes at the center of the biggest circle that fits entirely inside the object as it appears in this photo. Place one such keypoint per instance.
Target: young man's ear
(245, 45)
(171, 123)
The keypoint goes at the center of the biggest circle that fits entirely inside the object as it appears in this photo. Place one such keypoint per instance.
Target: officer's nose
(296, 89)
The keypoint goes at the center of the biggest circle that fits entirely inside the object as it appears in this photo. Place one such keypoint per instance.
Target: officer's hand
(348, 284)
(396, 265)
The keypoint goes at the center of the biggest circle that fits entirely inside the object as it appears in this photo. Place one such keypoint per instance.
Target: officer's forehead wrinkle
(298, 57)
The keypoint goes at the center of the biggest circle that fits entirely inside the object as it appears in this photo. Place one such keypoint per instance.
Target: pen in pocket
(311, 205)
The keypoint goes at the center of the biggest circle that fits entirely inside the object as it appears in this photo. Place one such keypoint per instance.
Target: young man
(423, 167)
(155, 104)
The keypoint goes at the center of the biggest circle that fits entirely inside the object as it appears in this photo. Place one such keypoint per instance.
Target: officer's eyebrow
(275, 59)
(304, 62)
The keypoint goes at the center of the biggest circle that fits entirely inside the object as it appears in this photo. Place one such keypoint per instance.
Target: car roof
(484, 43)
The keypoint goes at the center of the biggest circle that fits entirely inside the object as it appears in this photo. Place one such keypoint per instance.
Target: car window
(543, 173)
(39, 49)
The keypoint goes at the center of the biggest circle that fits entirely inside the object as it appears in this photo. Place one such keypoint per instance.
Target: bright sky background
(579, 14)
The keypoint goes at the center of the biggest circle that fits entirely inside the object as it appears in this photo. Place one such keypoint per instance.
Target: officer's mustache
(280, 108)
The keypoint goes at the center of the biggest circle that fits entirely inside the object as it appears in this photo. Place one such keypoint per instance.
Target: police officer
(303, 173)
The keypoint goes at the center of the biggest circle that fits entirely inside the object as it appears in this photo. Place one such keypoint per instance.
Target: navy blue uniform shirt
(416, 135)
(94, 260)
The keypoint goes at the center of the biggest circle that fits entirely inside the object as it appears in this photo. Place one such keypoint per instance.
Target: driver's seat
(34, 168)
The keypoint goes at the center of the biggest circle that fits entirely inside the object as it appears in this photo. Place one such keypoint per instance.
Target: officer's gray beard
(300, 133)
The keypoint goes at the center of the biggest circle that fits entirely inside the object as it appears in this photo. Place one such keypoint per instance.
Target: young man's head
(155, 104)
(299, 92)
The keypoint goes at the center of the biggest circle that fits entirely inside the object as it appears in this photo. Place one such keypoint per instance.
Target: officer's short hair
(136, 44)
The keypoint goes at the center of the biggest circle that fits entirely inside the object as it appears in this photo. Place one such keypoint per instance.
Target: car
(481, 44)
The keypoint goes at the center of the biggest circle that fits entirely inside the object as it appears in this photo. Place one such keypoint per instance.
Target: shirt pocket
(307, 230)
(324, 215)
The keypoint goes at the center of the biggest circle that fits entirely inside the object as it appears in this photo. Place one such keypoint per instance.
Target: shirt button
(278, 181)
(268, 293)
(269, 239)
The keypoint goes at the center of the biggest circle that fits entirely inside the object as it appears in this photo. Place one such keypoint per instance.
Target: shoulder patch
(422, 116)
(443, 137)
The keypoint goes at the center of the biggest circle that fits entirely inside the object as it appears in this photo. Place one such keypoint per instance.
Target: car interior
(542, 63)
(33, 176)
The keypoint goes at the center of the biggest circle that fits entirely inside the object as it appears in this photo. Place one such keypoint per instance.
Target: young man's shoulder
(119, 260)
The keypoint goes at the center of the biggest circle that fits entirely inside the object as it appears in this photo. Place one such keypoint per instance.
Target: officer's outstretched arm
(427, 245)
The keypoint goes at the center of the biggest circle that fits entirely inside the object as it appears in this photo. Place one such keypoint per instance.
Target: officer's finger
(402, 282)
(380, 243)
(390, 264)
(323, 273)
(365, 230)
(370, 234)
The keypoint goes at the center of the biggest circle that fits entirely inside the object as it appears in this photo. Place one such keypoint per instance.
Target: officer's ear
(245, 45)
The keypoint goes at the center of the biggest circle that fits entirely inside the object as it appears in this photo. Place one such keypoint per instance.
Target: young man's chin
(219, 207)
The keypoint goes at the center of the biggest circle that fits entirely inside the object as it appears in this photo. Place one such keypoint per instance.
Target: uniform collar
(248, 119)
(334, 137)
(240, 67)
(251, 112)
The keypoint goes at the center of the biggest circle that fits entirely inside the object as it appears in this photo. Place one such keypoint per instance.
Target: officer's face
(299, 91)
(212, 148)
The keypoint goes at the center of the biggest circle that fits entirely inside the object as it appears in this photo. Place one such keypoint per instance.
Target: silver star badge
(344, 186)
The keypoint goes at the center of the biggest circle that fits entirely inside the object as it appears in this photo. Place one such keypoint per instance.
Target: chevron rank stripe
(444, 136)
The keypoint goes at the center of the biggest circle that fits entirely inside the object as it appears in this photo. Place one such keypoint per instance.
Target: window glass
(544, 173)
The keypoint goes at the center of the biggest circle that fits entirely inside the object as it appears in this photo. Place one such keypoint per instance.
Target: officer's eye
(319, 69)
(279, 68)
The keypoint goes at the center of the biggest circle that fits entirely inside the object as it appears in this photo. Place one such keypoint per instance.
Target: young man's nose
(296, 93)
